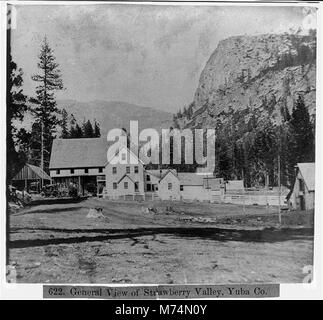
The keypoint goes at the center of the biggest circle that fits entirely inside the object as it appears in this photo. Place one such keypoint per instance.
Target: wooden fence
(213, 197)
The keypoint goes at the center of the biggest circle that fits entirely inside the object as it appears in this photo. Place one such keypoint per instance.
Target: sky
(149, 55)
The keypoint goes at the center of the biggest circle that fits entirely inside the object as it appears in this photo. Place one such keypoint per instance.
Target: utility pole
(279, 182)
(267, 183)
(279, 192)
(244, 194)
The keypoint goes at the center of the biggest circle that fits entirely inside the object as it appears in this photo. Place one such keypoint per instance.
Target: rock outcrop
(248, 78)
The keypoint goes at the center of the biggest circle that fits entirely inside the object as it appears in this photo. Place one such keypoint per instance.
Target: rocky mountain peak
(253, 74)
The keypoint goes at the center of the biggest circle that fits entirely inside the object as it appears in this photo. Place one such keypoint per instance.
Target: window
(58, 171)
(148, 177)
(136, 169)
(72, 171)
(128, 169)
(123, 156)
(114, 170)
(181, 188)
(86, 170)
(301, 185)
(170, 186)
(125, 185)
(100, 170)
(136, 186)
(115, 185)
(206, 183)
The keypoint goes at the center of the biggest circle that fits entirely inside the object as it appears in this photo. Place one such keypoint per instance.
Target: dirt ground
(173, 242)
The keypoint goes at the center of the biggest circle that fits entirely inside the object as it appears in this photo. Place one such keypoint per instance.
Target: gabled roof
(39, 171)
(190, 179)
(159, 173)
(31, 172)
(125, 176)
(79, 153)
(307, 170)
(172, 171)
(132, 151)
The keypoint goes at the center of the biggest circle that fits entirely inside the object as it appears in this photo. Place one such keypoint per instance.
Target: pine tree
(287, 146)
(45, 110)
(263, 153)
(88, 131)
(302, 129)
(97, 133)
(64, 124)
(16, 107)
(15, 110)
(78, 131)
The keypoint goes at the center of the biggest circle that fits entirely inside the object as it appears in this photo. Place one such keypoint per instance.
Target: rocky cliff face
(253, 77)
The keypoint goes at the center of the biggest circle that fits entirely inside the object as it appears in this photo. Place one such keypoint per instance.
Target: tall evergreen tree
(97, 133)
(263, 153)
(78, 131)
(16, 107)
(88, 131)
(45, 110)
(64, 124)
(302, 128)
(287, 145)
(15, 110)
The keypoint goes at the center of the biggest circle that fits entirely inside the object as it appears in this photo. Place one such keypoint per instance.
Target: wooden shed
(30, 175)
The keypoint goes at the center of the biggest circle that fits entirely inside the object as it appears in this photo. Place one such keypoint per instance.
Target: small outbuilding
(302, 196)
(234, 186)
(169, 186)
(31, 177)
(192, 186)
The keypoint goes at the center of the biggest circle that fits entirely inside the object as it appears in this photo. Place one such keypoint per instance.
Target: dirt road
(173, 243)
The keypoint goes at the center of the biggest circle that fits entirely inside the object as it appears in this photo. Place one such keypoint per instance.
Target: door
(302, 202)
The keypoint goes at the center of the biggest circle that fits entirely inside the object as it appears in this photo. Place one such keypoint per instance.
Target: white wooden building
(302, 196)
(124, 174)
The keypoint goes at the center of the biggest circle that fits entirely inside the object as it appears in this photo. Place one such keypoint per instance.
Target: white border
(288, 291)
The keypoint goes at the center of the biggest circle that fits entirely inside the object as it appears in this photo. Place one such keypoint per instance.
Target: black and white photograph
(160, 143)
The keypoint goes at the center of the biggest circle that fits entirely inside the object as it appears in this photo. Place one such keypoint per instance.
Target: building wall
(174, 193)
(195, 193)
(310, 200)
(121, 170)
(152, 180)
(77, 172)
(125, 191)
(295, 199)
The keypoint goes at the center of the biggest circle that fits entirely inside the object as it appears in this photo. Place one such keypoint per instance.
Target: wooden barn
(30, 177)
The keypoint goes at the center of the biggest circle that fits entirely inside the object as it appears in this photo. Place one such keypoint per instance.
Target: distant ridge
(116, 114)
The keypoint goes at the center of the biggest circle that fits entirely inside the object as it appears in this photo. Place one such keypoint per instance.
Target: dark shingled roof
(31, 172)
(82, 153)
(79, 153)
